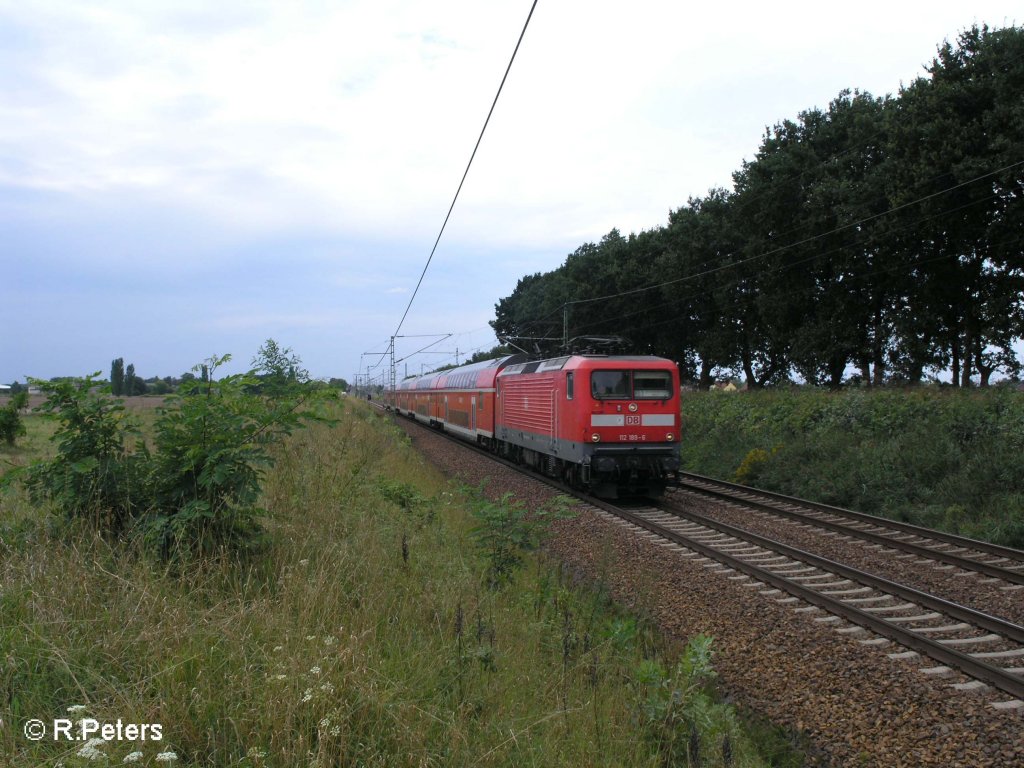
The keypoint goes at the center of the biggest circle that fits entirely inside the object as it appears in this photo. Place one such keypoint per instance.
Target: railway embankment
(937, 457)
(367, 632)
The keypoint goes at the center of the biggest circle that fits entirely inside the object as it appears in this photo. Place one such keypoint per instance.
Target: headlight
(595, 438)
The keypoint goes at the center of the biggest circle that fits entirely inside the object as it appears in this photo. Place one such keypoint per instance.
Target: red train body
(607, 424)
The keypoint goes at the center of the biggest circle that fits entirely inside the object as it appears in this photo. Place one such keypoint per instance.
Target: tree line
(878, 240)
(124, 382)
(278, 366)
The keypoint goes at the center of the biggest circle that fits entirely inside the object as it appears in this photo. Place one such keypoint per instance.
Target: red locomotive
(609, 424)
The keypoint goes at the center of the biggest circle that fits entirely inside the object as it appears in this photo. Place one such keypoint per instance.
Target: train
(606, 424)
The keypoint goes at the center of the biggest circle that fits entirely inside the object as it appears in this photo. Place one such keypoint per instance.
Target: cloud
(338, 115)
(217, 173)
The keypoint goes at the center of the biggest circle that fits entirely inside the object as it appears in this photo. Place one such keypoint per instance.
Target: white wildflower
(166, 757)
(76, 709)
(325, 723)
(307, 695)
(327, 688)
(89, 751)
(330, 640)
(311, 637)
(314, 671)
(303, 562)
(280, 677)
(132, 757)
(336, 730)
(278, 648)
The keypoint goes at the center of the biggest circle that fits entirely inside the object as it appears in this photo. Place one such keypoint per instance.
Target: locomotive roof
(466, 376)
(580, 361)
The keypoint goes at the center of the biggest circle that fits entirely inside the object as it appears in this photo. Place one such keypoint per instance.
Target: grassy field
(942, 458)
(366, 636)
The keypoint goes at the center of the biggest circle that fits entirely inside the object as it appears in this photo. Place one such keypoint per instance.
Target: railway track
(981, 557)
(987, 649)
(926, 625)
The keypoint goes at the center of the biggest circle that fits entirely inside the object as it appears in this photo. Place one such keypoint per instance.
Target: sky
(181, 179)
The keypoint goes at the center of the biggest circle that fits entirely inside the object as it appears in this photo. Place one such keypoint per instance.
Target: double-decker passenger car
(461, 400)
(609, 424)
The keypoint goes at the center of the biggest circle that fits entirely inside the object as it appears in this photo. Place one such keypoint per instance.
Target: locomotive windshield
(652, 385)
(631, 385)
(610, 384)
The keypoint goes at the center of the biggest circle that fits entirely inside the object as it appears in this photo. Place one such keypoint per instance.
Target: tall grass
(367, 636)
(942, 458)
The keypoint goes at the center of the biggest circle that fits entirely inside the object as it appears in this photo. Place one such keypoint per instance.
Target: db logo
(632, 421)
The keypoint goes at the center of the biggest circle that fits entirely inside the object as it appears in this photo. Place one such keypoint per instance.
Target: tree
(956, 153)
(278, 369)
(531, 317)
(881, 234)
(690, 266)
(117, 377)
(501, 350)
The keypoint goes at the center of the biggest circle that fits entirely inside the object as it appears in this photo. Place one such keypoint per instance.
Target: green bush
(94, 474)
(197, 492)
(212, 448)
(506, 531)
(11, 426)
(679, 712)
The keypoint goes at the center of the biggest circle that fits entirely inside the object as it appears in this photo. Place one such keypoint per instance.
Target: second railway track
(981, 557)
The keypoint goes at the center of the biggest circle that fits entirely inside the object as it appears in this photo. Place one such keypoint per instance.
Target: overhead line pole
(391, 350)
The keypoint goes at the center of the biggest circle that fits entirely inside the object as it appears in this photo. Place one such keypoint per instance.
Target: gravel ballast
(981, 593)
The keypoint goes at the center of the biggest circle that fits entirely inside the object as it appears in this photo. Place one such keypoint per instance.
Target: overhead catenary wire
(779, 269)
(797, 243)
(593, 327)
(779, 249)
(466, 172)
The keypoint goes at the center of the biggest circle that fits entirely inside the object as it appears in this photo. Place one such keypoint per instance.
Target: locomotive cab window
(631, 385)
(568, 385)
(610, 385)
(652, 385)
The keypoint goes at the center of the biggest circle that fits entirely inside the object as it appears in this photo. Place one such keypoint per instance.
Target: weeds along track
(968, 555)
